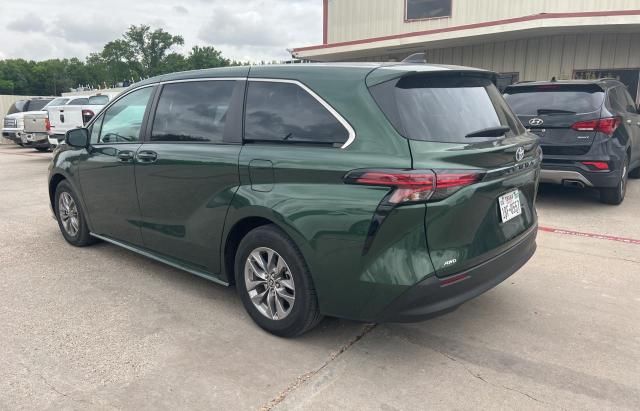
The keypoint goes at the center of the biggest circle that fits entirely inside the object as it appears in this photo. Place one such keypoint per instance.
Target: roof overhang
(502, 30)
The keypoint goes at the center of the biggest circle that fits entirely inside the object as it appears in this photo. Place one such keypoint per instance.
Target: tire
(76, 234)
(615, 195)
(287, 275)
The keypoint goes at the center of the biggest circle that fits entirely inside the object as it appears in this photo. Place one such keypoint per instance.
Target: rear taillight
(47, 124)
(415, 186)
(607, 126)
(87, 115)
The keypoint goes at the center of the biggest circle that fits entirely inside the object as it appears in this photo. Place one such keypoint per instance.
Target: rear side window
(555, 99)
(621, 101)
(445, 108)
(193, 111)
(60, 101)
(37, 105)
(286, 112)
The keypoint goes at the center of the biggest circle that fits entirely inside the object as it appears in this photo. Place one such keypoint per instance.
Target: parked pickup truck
(36, 124)
(13, 124)
(65, 118)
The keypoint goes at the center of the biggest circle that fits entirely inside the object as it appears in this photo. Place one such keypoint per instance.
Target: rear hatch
(554, 112)
(486, 164)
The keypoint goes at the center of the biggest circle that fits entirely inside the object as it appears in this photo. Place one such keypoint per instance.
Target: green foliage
(140, 53)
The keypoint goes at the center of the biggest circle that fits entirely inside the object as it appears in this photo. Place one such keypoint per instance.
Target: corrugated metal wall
(360, 19)
(541, 58)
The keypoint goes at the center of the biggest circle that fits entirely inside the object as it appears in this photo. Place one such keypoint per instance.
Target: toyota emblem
(536, 122)
(520, 154)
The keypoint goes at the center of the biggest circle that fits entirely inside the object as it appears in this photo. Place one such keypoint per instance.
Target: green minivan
(372, 192)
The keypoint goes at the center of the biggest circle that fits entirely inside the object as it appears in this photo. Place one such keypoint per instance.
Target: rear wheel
(274, 283)
(615, 195)
(71, 219)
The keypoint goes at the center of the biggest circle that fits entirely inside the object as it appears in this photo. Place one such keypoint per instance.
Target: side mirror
(78, 137)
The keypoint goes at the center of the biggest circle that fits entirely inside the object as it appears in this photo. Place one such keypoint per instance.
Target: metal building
(521, 39)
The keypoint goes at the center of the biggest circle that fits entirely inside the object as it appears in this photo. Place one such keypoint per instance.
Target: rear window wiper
(554, 111)
(490, 132)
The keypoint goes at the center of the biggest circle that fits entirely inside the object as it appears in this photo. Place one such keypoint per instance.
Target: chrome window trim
(194, 80)
(334, 113)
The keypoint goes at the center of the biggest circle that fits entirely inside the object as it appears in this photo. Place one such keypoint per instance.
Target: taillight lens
(87, 115)
(597, 165)
(47, 124)
(607, 126)
(415, 186)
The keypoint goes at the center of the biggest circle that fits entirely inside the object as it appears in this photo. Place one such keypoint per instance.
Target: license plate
(510, 206)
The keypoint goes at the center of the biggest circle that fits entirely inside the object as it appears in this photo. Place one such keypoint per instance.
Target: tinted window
(37, 105)
(630, 104)
(79, 101)
(99, 100)
(428, 9)
(287, 112)
(444, 108)
(123, 121)
(193, 111)
(528, 100)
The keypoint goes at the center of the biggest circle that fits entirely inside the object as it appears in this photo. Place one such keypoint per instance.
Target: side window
(288, 113)
(630, 104)
(94, 130)
(193, 111)
(78, 102)
(122, 122)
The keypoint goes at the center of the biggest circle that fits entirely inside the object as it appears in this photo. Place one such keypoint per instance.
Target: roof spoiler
(416, 58)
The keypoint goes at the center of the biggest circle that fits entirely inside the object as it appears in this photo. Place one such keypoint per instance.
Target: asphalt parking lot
(103, 328)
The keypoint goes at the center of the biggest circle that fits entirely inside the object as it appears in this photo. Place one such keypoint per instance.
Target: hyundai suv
(589, 131)
(364, 191)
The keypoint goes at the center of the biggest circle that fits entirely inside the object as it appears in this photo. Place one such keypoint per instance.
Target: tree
(149, 48)
(206, 57)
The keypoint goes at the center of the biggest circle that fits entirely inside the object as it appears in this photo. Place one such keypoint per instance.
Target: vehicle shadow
(572, 197)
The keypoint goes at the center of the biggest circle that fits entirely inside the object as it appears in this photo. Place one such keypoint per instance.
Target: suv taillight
(607, 126)
(415, 186)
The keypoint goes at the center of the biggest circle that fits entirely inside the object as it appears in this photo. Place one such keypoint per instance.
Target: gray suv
(589, 131)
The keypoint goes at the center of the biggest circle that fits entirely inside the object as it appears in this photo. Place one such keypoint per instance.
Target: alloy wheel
(269, 283)
(68, 213)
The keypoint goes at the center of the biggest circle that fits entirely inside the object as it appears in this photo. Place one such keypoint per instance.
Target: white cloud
(244, 30)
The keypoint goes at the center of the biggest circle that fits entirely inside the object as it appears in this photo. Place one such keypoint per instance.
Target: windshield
(99, 100)
(60, 101)
(554, 99)
(447, 108)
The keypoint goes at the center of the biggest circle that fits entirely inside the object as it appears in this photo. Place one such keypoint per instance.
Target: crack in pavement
(302, 379)
(481, 378)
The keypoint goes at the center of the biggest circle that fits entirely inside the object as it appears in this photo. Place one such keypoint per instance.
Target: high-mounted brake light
(607, 126)
(414, 186)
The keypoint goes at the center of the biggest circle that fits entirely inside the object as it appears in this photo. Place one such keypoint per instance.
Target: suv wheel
(71, 219)
(616, 195)
(635, 173)
(274, 283)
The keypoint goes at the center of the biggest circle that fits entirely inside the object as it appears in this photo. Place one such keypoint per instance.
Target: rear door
(550, 111)
(459, 125)
(187, 169)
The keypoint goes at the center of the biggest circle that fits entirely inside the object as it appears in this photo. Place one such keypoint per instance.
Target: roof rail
(524, 82)
(608, 78)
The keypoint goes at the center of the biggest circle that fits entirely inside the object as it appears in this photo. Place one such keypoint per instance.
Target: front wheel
(615, 195)
(274, 283)
(71, 219)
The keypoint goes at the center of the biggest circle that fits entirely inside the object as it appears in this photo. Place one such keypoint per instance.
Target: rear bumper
(573, 174)
(37, 140)
(13, 136)
(436, 296)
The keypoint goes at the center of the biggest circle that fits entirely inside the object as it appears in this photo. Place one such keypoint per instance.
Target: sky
(245, 30)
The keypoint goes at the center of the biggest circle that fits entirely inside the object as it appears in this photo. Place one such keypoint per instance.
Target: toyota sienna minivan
(372, 192)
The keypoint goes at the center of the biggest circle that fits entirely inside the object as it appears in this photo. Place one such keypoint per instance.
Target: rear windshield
(99, 100)
(554, 99)
(445, 108)
(60, 101)
(37, 105)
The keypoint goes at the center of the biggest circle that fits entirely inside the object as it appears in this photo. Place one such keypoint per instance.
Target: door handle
(125, 156)
(147, 156)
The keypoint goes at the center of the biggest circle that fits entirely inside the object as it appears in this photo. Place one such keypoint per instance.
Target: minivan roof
(304, 69)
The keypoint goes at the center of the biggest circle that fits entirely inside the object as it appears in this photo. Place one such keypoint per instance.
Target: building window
(427, 9)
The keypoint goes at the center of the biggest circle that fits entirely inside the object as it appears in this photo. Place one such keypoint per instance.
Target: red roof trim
(542, 16)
